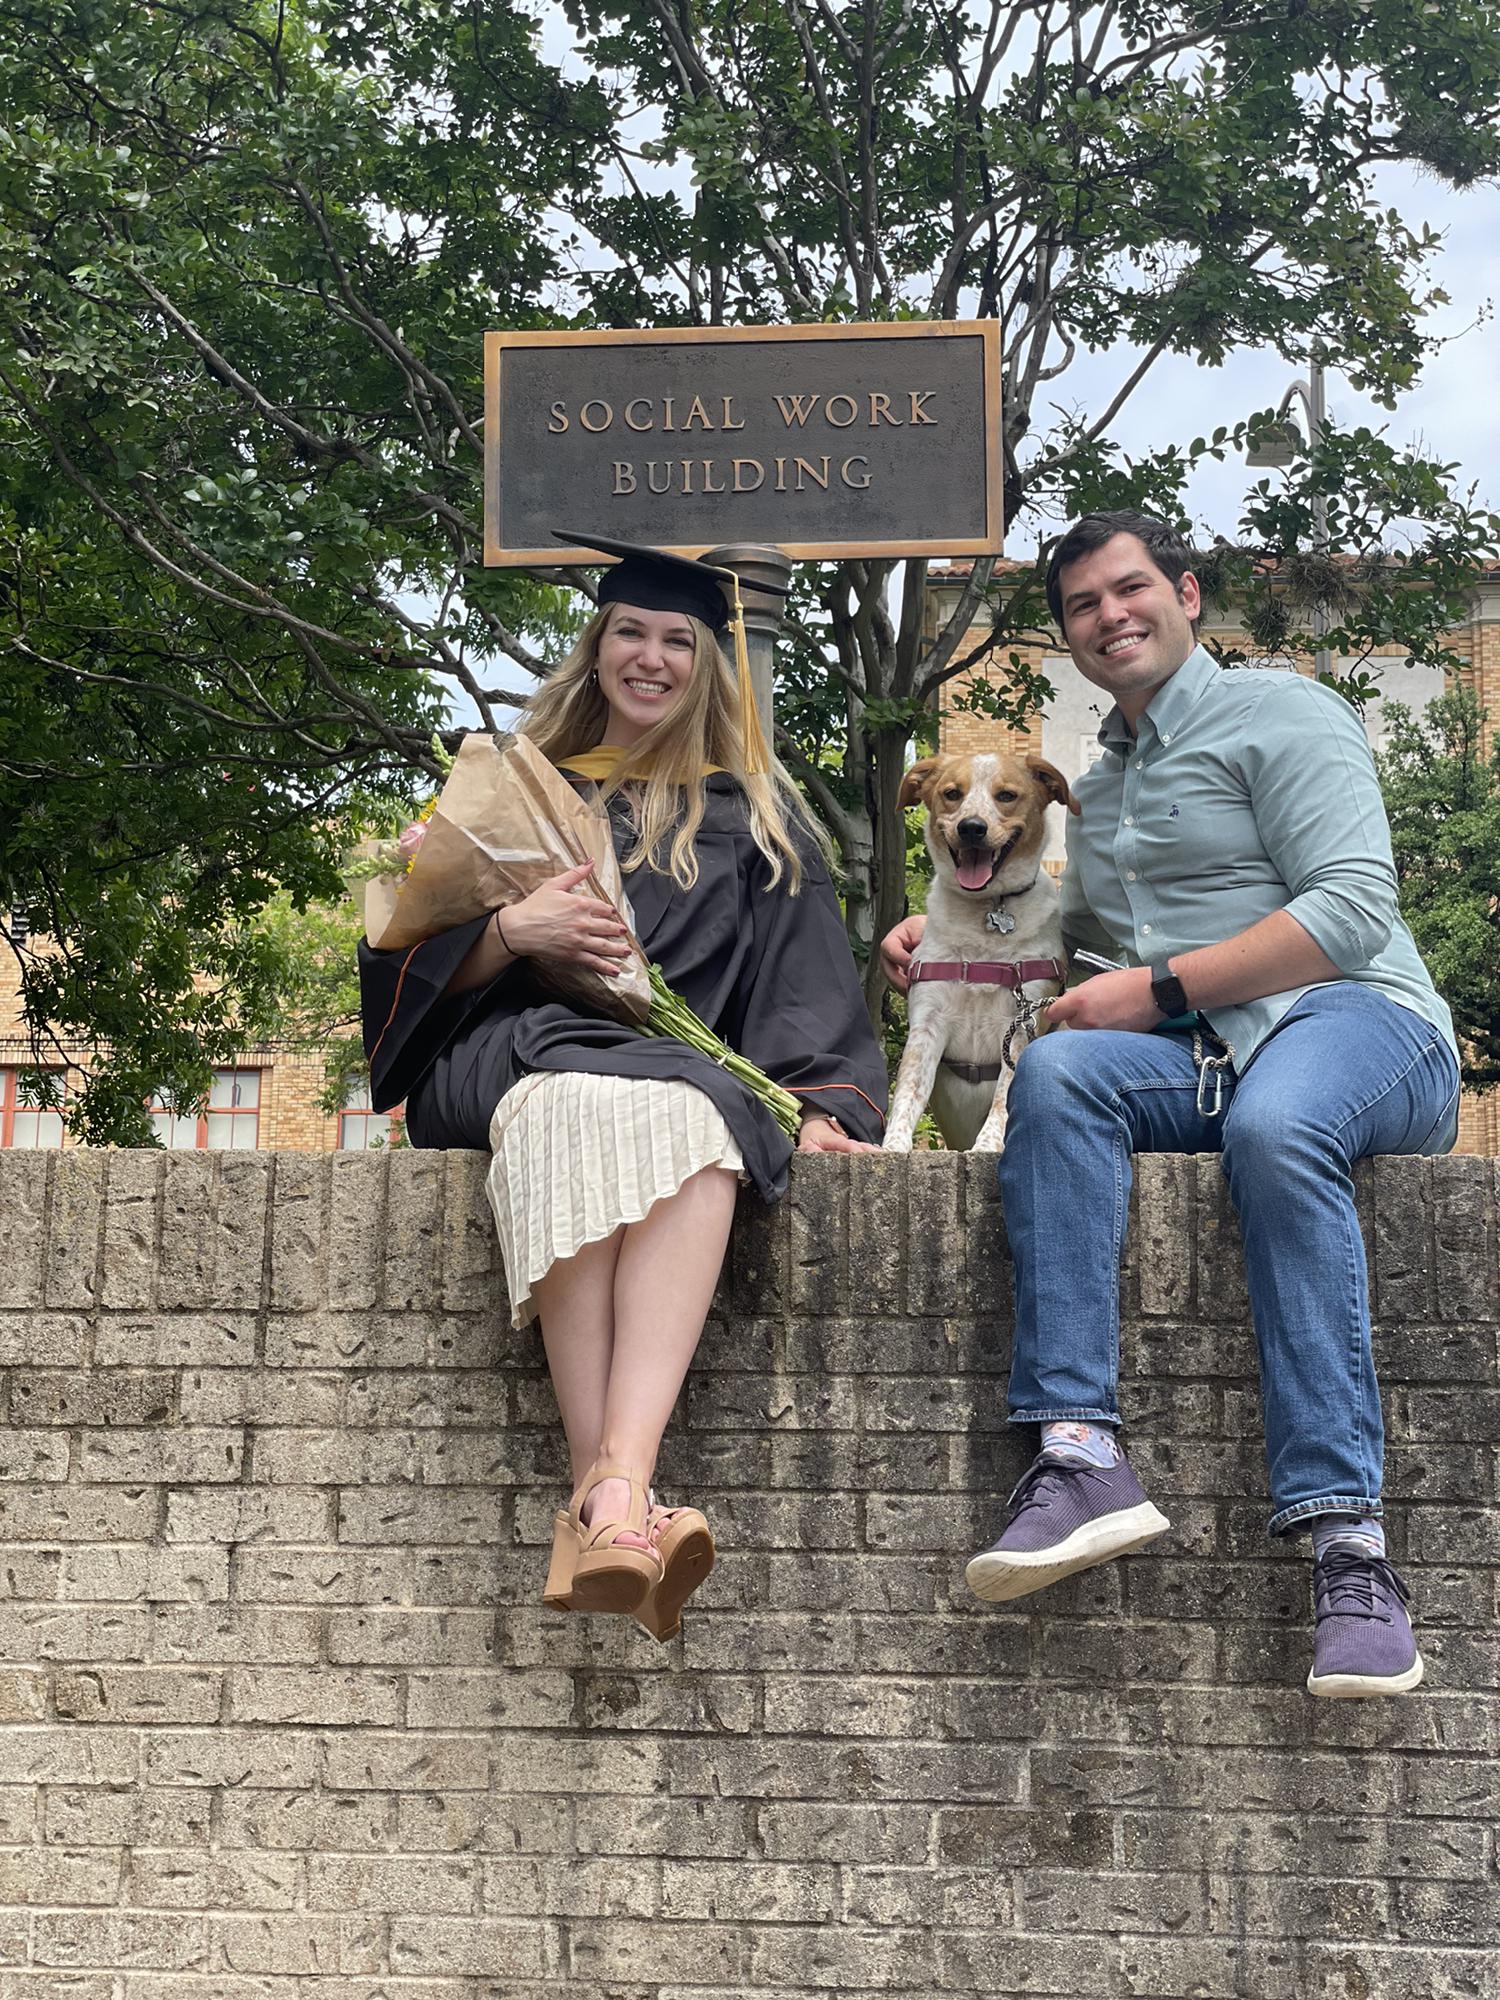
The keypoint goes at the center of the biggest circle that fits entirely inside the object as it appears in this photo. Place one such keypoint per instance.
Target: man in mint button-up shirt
(1232, 864)
(1239, 793)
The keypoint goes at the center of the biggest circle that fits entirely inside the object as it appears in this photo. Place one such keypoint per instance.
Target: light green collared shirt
(1244, 790)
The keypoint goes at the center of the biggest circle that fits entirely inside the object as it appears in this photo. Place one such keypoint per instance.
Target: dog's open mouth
(975, 868)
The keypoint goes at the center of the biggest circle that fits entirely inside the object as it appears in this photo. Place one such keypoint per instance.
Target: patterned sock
(1347, 1531)
(1080, 1444)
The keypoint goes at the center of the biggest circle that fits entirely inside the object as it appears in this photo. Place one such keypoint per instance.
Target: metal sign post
(764, 611)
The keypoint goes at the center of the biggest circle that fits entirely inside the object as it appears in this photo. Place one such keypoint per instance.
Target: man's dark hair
(1168, 551)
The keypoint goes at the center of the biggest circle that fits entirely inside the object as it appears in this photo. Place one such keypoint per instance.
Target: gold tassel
(757, 757)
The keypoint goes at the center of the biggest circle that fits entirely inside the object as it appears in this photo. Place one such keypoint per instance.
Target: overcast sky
(1455, 410)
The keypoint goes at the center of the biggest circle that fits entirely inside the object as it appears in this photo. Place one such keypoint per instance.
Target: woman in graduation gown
(616, 1155)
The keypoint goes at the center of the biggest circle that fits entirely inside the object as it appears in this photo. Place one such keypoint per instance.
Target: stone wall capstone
(284, 1718)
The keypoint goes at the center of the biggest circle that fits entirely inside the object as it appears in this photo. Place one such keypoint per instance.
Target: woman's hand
(557, 921)
(897, 947)
(823, 1135)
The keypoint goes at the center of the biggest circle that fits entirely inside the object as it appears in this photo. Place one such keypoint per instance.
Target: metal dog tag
(1000, 920)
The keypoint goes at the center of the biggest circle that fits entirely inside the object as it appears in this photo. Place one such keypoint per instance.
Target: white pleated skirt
(576, 1155)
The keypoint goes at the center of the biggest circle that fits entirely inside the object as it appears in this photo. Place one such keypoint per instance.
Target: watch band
(1166, 991)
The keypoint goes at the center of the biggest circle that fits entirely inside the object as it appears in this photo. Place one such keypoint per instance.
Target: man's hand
(821, 1135)
(1108, 1000)
(896, 949)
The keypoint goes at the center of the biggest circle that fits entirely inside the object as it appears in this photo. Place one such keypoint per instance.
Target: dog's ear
(1052, 782)
(915, 779)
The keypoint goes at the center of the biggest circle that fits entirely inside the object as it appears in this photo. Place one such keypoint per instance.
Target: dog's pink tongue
(975, 869)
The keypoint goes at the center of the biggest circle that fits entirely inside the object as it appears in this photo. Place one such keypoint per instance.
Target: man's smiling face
(1128, 628)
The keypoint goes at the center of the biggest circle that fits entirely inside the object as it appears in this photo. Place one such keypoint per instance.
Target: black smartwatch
(1166, 991)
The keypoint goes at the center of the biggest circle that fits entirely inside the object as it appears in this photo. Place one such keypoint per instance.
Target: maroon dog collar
(986, 972)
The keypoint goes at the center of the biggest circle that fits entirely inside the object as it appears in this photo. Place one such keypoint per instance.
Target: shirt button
(1145, 930)
(1129, 821)
(1139, 762)
(1129, 874)
(1166, 739)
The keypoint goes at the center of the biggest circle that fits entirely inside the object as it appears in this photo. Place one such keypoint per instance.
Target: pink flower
(411, 839)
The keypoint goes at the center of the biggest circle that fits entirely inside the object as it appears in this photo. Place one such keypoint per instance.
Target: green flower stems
(672, 1016)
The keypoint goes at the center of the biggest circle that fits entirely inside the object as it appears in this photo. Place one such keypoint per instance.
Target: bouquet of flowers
(504, 824)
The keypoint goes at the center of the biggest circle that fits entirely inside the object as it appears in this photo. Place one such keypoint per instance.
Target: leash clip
(1211, 1086)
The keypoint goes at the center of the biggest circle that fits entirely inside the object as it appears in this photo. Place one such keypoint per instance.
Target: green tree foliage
(247, 252)
(1442, 791)
(1164, 178)
(246, 259)
(317, 1000)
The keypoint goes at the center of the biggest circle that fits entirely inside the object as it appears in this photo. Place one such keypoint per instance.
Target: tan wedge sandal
(610, 1575)
(685, 1543)
(557, 1591)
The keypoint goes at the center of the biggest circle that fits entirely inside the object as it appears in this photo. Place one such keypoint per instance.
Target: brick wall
(285, 1720)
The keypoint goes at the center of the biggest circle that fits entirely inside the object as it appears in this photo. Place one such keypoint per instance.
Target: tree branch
(946, 643)
(816, 782)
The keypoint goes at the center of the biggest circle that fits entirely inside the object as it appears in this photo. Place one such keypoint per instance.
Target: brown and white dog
(993, 933)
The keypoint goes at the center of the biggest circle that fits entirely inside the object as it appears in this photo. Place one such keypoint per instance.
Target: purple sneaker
(1363, 1644)
(1067, 1517)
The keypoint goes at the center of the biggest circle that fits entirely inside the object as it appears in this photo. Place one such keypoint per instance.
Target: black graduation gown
(769, 972)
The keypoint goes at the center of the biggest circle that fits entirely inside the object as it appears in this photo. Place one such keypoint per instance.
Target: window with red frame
(360, 1126)
(25, 1122)
(229, 1122)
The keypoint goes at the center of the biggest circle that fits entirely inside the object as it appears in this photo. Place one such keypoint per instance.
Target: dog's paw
(989, 1139)
(896, 1142)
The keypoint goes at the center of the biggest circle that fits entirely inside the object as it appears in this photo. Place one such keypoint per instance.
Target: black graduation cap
(655, 581)
(652, 580)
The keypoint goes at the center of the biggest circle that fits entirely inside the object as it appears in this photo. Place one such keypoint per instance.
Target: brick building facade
(1066, 731)
(271, 1101)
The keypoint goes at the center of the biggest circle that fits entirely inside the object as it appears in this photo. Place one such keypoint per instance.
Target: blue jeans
(1344, 1074)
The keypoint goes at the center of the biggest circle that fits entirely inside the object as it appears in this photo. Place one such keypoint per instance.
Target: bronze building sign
(866, 440)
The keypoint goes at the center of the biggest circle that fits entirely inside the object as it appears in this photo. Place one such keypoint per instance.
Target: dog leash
(1028, 1022)
(1031, 1020)
(1209, 1096)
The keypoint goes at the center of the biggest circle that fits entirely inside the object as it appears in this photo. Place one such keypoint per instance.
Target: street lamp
(1278, 452)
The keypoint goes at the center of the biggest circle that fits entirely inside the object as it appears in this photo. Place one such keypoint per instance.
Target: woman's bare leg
(576, 1303)
(665, 1275)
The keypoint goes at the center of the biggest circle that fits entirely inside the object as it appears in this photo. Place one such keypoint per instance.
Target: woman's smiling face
(644, 663)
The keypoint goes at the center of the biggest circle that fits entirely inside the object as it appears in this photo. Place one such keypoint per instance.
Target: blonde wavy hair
(664, 769)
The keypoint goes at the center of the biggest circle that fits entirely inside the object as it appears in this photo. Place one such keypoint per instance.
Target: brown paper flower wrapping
(507, 822)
